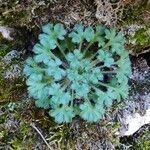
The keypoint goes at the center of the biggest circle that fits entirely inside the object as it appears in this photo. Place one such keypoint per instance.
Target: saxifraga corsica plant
(78, 73)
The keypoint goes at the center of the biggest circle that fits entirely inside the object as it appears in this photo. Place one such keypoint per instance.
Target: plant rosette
(78, 73)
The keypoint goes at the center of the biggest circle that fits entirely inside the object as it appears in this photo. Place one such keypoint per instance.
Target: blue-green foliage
(78, 73)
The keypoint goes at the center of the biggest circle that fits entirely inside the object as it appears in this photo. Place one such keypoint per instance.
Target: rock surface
(6, 31)
(136, 121)
(136, 111)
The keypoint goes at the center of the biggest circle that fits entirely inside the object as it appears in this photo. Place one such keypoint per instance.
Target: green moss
(142, 142)
(17, 137)
(24, 13)
(141, 37)
(4, 46)
(140, 40)
(11, 90)
(133, 13)
(20, 135)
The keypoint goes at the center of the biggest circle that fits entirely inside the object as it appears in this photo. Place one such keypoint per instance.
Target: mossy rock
(141, 40)
(4, 46)
(135, 11)
(10, 89)
(24, 13)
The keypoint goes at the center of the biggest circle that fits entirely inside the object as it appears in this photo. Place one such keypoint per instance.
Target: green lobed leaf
(81, 89)
(62, 114)
(105, 57)
(59, 31)
(78, 34)
(58, 95)
(90, 113)
(48, 28)
(89, 34)
(43, 103)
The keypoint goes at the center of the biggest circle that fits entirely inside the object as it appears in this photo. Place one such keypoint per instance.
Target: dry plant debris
(109, 11)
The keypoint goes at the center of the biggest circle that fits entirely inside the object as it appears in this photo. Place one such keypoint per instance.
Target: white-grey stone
(134, 123)
(11, 55)
(6, 32)
(13, 72)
